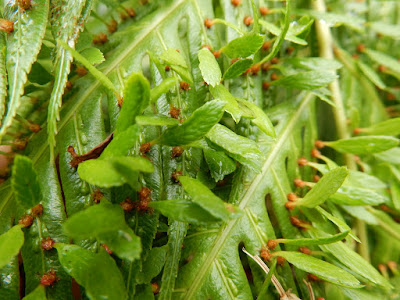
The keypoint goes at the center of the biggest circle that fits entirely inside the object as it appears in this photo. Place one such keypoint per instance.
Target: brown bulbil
(392, 266)
(120, 101)
(360, 48)
(49, 278)
(97, 196)
(112, 26)
(265, 254)
(274, 76)
(175, 176)
(217, 53)
(184, 85)
(107, 249)
(127, 205)
(144, 148)
(144, 193)
(255, 69)
(264, 11)
(47, 243)
(233, 60)
(81, 71)
(155, 288)
(315, 153)
(20, 144)
(292, 197)
(357, 131)
(321, 298)
(289, 50)
(382, 268)
(390, 97)
(265, 85)
(305, 250)
(302, 161)
(290, 205)
(221, 182)
(271, 244)
(208, 23)
(316, 178)
(37, 210)
(266, 46)
(274, 61)
(280, 260)
(382, 69)
(236, 2)
(299, 223)
(123, 16)
(6, 25)
(206, 47)
(167, 68)
(319, 144)
(92, 154)
(265, 66)
(174, 112)
(299, 183)
(26, 220)
(24, 4)
(177, 151)
(100, 39)
(248, 20)
(68, 86)
(34, 127)
(131, 12)
(312, 278)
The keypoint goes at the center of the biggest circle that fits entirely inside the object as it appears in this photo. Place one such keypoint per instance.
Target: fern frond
(23, 46)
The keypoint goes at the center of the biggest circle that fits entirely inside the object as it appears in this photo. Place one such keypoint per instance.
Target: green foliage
(193, 155)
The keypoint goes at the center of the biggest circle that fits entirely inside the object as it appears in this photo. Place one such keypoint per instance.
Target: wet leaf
(364, 144)
(243, 46)
(209, 67)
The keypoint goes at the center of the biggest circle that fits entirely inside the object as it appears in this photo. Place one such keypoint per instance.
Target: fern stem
(325, 43)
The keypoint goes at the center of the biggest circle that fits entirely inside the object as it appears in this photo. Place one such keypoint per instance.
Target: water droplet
(83, 138)
(84, 188)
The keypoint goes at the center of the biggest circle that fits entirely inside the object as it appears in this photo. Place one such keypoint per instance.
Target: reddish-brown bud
(265, 254)
(248, 20)
(100, 39)
(315, 153)
(206, 47)
(280, 260)
(167, 68)
(255, 69)
(155, 288)
(112, 26)
(184, 86)
(49, 278)
(217, 53)
(289, 50)
(236, 2)
(316, 178)
(312, 278)
(266, 45)
(81, 71)
(34, 127)
(292, 197)
(265, 85)
(382, 69)
(107, 249)
(264, 11)
(24, 4)
(302, 161)
(299, 223)
(177, 151)
(274, 76)
(390, 97)
(144, 148)
(47, 243)
(26, 220)
(382, 268)
(131, 12)
(37, 210)
(208, 23)
(357, 131)
(175, 176)
(174, 112)
(360, 48)
(274, 60)
(144, 193)
(97, 195)
(299, 183)
(290, 205)
(127, 205)
(6, 25)
(392, 266)
(271, 244)
(305, 250)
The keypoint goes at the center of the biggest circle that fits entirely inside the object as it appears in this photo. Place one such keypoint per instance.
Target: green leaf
(122, 143)
(239, 148)
(153, 264)
(350, 195)
(136, 99)
(163, 88)
(231, 104)
(173, 57)
(112, 171)
(277, 32)
(196, 126)
(106, 223)
(96, 272)
(320, 268)
(184, 211)
(66, 31)
(237, 68)
(334, 19)
(352, 260)
(156, 120)
(244, 46)
(38, 294)
(390, 30)
(316, 241)
(306, 80)
(364, 144)
(93, 55)
(23, 46)
(218, 163)
(384, 59)
(206, 199)
(314, 63)
(327, 186)
(25, 183)
(388, 127)
(10, 244)
(391, 156)
(361, 179)
(371, 75)
(3, 74)
(209, 67)
(261, 120)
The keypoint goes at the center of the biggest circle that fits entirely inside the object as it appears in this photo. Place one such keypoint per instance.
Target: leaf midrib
(225, 232)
